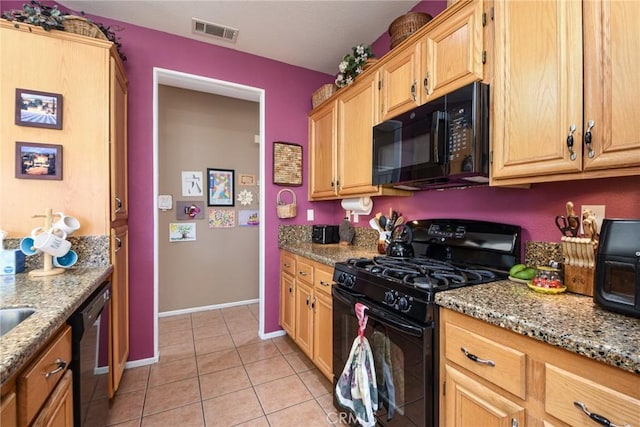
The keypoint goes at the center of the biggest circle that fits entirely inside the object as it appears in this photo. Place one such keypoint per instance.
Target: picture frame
(38, 161)
(287, 164)
(38, 109)
(220, 187)
(192, 184)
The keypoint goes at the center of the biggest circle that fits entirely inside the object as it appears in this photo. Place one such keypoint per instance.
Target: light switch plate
(598, 212)
(309, 214)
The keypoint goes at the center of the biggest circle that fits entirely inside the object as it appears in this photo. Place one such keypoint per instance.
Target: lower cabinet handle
(324, 283)
(475, 358)
(60, 365)
(595, 417)
(118, 244)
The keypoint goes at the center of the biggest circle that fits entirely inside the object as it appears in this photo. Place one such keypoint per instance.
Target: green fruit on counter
(516, 268)
(521, 271)
(526, 274)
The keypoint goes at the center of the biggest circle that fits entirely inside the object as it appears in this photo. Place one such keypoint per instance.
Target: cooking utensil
(565, 226)
(399, 221)
(373, 222)
(383, 222)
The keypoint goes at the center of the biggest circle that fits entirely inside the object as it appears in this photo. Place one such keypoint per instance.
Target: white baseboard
(206, 307)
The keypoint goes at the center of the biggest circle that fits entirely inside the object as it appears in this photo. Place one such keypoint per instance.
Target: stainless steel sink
(12, 317)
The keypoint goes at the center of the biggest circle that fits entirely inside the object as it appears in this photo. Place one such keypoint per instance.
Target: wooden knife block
(579, 280)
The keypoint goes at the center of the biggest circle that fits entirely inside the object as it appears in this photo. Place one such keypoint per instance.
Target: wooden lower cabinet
(491, 376)
(58, 411)
(119, 307)
(469, 403)
(306, 308)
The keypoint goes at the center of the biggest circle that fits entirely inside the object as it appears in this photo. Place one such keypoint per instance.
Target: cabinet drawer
(563, 388)
(287, 263)
(508, 370)
(37, 382)
(323, 280)
(304, 271)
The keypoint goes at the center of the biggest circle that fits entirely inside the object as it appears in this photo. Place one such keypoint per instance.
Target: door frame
(197, 83)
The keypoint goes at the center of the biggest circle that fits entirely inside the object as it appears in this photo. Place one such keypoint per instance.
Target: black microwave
(443, 143)
(617, 275)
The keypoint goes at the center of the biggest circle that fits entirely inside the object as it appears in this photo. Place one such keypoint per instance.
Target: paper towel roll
(359, 206)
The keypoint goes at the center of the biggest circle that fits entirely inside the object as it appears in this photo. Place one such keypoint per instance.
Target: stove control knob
(403, 303)
(389, 298)
(350, 280)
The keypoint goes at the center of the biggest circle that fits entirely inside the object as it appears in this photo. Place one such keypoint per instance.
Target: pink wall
(288, 92)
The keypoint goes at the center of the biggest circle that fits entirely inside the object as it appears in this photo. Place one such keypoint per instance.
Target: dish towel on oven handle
(356, 388)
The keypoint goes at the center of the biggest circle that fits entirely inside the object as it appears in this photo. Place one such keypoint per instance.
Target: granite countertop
(55, 298)
(327, 254)
(570, 321)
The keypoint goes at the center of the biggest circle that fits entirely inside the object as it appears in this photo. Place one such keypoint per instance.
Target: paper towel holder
(357, 206)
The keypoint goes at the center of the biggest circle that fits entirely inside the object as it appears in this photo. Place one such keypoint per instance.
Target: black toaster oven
(617, 281)
(325, 234)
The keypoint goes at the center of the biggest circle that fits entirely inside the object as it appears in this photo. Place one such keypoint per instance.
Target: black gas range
(399, 294)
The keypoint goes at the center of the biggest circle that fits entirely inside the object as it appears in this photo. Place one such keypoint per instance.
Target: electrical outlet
(596, 210)
(309, 214)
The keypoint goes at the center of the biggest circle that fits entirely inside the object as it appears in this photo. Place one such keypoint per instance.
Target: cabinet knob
(588, 139)
(425, 83)
(572, 154)
(413, 90)
(118, 204)
(118, 243)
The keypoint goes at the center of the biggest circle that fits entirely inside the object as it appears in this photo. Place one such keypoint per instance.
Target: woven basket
(286, 210)
(79, 25)
(322, 94)
(405, 25)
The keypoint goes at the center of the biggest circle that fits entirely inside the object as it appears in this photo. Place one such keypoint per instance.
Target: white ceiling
(308, 33)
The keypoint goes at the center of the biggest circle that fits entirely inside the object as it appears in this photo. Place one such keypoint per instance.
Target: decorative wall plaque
(287, 163)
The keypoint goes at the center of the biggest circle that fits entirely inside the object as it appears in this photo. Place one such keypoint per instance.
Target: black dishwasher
(85, 324)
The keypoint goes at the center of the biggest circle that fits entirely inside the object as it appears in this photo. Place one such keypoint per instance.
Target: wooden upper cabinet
(400, 82)
(452, 53)
(542, 105)
(537, 88)
(323, 124)
(118, 141)
(612, 83)
(356, 118)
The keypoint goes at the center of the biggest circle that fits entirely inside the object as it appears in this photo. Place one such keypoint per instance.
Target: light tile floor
(214, 370)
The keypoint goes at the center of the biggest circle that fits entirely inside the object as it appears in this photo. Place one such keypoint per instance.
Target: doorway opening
(174, 79)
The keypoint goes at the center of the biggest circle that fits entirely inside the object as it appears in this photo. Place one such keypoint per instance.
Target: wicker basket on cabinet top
(405, 25)
(82, 26)
(322, 94)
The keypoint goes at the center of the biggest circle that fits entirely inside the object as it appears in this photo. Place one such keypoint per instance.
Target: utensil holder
(48, 269)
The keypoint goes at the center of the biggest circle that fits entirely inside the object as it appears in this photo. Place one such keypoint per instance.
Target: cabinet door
(8, 410)
(118, 142)
(452, 55)
(400, 82)
(356, 117)
(58, 410)
(469, 403)
(119, 315)
(612, 83)
(537, 91)
(323, 334)
(322, 148)
(287, 304)
(304, 318)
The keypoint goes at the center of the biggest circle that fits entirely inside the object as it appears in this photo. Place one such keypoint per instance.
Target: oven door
(403, 361)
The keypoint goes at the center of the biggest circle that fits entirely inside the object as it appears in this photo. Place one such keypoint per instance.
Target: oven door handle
(387, 319)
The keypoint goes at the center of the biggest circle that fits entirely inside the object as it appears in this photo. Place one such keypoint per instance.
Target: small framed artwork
(287, 164)
(38, 161)
(38, 109)
(220, 187)
(246, 179)
(189, 210)
(182, 232)
(192, 183)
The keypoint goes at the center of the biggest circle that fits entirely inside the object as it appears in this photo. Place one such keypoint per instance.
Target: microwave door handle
(438, 130)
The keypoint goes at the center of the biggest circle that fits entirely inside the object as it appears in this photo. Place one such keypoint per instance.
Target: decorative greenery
(353, 64)
(51, 18)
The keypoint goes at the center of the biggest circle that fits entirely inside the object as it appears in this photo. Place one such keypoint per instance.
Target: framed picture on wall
(38, 109)
(38, 161)
(220, 187)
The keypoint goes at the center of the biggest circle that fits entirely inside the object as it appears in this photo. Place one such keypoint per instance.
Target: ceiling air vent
(214, 30)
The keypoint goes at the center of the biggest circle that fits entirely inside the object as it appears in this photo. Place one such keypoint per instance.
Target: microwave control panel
(460, 134)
